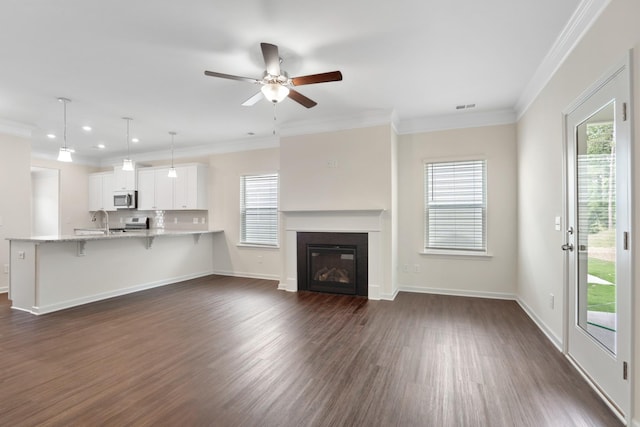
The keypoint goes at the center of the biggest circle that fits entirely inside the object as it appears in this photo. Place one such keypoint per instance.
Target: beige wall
(74, 193)
(540, 266)
(225, 171)
(15, 196)
(344, 170)
(360, 180)
(494, 276)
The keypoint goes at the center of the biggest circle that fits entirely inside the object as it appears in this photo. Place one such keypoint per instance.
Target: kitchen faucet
(106, 219)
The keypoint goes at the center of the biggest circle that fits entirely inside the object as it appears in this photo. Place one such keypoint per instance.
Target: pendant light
(64, 155)
(172, 171)
(127, 163)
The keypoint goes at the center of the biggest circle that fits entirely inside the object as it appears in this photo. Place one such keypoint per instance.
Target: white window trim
(486, 253)
(245, 244)
(461, 253)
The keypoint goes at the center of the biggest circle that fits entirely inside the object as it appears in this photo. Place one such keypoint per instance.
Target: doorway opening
(45, 201)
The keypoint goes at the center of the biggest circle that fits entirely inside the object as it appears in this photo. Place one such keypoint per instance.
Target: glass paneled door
(598, 233)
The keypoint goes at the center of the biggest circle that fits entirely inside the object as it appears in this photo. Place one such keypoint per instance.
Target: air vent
(465, 106)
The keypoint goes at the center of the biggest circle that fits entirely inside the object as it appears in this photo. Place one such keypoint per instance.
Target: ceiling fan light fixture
(275, 92)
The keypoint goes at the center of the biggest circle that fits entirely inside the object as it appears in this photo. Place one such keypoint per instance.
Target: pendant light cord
(64, 103)
(128, 149)
(172, 135)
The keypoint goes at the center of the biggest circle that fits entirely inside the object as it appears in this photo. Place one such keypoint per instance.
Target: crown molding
(16, 129)
(460, 120)
(245, 144)
(580, 22)
(332, 124)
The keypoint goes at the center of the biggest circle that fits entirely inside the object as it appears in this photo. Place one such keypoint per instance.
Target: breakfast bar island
(51, 273)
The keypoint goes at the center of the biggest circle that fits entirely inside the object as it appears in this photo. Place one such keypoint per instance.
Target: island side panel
(114, 267)
(22, 275)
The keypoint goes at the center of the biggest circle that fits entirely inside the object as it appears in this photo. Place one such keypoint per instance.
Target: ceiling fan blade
(301, 99)
(332, 76)
(232, 77)
(271, 58)
(253, 100)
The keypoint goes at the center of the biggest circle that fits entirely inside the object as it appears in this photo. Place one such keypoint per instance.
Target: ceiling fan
(276, 83)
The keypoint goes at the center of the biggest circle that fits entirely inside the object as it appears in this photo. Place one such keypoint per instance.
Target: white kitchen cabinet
(124, 180)
(156, 191)
(101, 191)
(190, 188)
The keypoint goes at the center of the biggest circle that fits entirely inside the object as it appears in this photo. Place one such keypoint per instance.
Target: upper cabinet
(156, 191)
(101, 191)
(190, 187)
(124, 180)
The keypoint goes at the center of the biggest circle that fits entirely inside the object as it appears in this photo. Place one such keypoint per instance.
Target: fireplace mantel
(338, 221)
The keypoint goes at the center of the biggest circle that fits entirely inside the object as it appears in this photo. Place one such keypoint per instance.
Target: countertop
(117, 235)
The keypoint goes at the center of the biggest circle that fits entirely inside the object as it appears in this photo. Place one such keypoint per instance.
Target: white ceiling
(406, 59)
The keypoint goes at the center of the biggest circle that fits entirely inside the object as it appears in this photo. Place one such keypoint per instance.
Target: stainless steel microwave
(125, 199)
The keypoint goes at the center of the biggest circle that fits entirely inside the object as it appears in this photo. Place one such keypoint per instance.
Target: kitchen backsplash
(173, 220)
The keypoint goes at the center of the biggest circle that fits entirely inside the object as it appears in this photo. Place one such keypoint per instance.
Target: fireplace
(333, 262)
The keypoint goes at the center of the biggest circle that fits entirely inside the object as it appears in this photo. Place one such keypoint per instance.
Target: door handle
(567, 247)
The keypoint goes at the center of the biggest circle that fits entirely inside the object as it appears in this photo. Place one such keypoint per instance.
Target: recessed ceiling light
(86, 128)
(134, 140)
(100, 146)
(51, 136)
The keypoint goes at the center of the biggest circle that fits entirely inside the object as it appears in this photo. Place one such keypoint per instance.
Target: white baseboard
(283, 286)
(457, 292)
(247, 275)
(555, 340)
(106, 295)
(4, 290)
(389, 297)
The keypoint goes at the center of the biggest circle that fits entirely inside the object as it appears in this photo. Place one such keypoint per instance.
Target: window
(456, 206)
(259, 209)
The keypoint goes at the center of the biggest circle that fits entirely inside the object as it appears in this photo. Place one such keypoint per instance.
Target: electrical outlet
(202, 220)
(551, 301)
(416, 268)
(6, 269)
(21, 254)
(195, 220)
(175, 220)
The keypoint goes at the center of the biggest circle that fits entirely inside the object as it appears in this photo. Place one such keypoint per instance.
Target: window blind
(455, 205)
(259, 209)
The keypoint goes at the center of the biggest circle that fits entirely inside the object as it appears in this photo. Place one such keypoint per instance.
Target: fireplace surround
(368, 221)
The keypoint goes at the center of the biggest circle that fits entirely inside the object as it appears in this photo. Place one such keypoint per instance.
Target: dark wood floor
(224, 351)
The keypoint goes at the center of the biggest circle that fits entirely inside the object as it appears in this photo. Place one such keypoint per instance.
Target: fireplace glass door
(332, 268)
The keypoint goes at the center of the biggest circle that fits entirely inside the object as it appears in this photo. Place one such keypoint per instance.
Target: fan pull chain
(275, 120)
